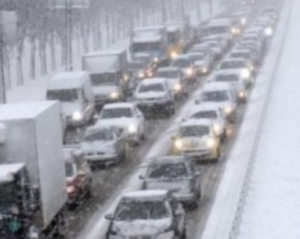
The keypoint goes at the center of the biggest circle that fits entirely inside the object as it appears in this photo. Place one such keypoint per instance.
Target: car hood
(105, 89)
(199, 63)
(194, 142)
(150, 95)
(141, 227)
(173, 82)
(96, 146)
(119, 122)
(69, 108)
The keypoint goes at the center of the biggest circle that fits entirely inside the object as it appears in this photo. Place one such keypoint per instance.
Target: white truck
(32, 171)
(109, 75)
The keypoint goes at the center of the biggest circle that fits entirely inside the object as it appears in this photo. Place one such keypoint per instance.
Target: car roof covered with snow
(227, 72)
(68, 80)
(191, 122)
(7, 171)
(219, 22)
(118, 105)
(167, 69)
(104, 53)
(150, 81)
(217, 86)
(150, 195)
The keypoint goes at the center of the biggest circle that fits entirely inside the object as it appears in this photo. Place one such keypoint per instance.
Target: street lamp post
(69, 53)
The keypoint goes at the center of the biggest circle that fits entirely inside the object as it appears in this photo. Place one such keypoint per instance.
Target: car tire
(183, 235)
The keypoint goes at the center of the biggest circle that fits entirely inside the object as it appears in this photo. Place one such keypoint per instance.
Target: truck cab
(74, 91)
(109, 75)
(150, 40)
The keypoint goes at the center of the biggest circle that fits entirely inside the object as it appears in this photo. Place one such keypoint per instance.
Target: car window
(171, 170)
(112, 113)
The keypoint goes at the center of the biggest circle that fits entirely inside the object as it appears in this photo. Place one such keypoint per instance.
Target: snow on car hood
(98, 146)
(118, 122)
(199, 63)
(172, 82)
(150, 95)
(141, 227)
(105, 89)
(194, 142)
(68, 108)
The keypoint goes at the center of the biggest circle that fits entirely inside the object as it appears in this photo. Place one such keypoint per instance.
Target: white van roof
(68, 80)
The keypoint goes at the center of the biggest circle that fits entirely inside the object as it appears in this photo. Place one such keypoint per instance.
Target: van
(74, 91)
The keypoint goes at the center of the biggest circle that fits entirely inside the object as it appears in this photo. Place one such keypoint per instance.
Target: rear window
(168, 171)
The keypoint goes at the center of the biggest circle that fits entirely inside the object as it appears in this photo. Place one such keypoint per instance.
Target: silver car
(176, 174)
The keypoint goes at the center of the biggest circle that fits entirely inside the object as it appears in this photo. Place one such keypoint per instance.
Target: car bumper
(155, 107)
(74, 123)
(102, 102)
(102, 159)
(187, 198)
(199, 154)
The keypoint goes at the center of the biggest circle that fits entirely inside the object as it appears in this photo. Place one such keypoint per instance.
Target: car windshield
(141, 210)
(232, 64)
(136, 65)
(104, 79)
(227, 78)
(146, 46)
(155, 87)
(215, 96)
(70, 171)
(168, 74)
(98, 135)
(67, 95)
(241, 55)
(181, 63)
(218, 30)
(209, 114)
(172, 170)
(194, 131)
(113, 113)
(196, 57)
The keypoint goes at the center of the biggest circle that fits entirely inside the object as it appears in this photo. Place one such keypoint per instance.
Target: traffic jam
(115, 110)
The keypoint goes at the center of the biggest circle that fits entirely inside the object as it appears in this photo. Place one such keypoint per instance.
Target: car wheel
(183, 235)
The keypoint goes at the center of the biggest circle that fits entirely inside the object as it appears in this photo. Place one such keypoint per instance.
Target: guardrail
(234, 231)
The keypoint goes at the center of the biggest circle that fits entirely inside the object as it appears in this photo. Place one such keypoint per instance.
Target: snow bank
(226, 210)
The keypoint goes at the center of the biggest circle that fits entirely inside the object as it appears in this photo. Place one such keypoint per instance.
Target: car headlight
(141, 74)
(268, 32)
(243, 21)
(77, 115)
(189, 71)
(211, 143)
(174, 54)
(217, 129)
(132, 128)
(178, 144)
(125, 77)
(70, 189)
(149, 73)
(156, 59)
(177, 87)
(242, 94)
(228, 110)
(204, 69)
(114, 95)
(246, 73)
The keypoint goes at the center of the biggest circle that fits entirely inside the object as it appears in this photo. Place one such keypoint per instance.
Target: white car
(147, 214)
(201, 62)
(197, 139)
(187, 66)
(101, 145)
(126, 116)
(212, 112)
(174, 77)
(177, 174)
(154, 96)
(245, 66)
(222, 95)
(235, 79)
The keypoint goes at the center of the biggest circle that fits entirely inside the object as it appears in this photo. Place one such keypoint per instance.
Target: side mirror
(141, 177)
(96, 117)
(197, 174)
(173, 137)
(197, 102)
(109, 217)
